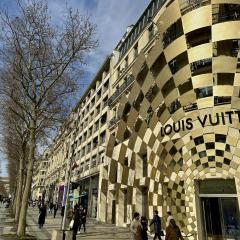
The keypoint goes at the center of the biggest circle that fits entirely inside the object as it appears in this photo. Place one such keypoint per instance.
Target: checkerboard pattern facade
(193, 70)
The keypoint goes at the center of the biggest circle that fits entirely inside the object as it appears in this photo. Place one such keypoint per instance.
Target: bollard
(57, 235)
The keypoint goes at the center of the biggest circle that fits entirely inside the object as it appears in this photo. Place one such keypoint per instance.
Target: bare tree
(15, 139)
(38, 72)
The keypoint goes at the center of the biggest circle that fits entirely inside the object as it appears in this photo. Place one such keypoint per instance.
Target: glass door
(230, 215)
(221, 218)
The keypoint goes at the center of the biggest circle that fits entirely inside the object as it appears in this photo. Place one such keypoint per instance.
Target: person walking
(83, 213)
(157, 226)
(173, 232)
(169, 218)
(51, 207)
(134, 225)
(42, 215)
(55, 208)
(142, 229)
(77, 220)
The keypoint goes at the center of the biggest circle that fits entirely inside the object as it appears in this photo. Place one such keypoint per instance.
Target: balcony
(190, 107)
(172, 33)
(201, 67)
(232, 13)
(121, 89)
(113, 121)
(189, 5)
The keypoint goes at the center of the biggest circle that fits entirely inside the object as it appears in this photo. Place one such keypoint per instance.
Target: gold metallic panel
(200, 52)
(226, 30)
(198, 18)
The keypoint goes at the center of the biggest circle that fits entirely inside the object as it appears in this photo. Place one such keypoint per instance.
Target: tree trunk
(26, 193)
(15, 197)
(20, 188)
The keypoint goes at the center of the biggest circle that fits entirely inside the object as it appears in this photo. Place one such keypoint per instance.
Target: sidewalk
(94, 230)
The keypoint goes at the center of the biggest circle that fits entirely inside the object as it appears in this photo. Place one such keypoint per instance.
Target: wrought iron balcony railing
(113, 121)
(201, 66)
(170, 36)
(189, 5)
(230, 15)
(120, 90)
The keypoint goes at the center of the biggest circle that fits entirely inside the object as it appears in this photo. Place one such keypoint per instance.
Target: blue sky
(111, 17)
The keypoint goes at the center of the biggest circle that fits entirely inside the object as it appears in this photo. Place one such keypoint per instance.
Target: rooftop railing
(142, 22)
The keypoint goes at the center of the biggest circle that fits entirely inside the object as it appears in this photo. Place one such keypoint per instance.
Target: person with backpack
(173, 232)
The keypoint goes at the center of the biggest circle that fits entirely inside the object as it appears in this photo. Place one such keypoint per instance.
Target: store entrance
(220, 210)
(221, 215)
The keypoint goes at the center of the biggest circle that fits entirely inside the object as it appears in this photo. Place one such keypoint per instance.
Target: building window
(103, 119)
(87, 165)
(144, 165)
(135, 50)
(103, 137)
(174, 106)
(94, 161)
(97, 125)
(95, 142)
(204, 92)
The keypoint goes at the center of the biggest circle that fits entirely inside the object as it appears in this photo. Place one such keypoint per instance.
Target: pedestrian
(169, 218)
(142, 229)
(173, 232)
(69, 217)
(83, 213)
(51, 207)
(42, 215)
(77, 220)
(134, 225)
(55, 208)
(157, 226)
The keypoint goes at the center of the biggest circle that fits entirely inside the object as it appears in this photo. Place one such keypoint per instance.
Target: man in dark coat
(55, 208)
(157, 226)
(42, 215)
(83, 212)
(77, 221)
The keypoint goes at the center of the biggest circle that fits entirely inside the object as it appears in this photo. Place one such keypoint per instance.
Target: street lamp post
(69, 174)
(65, 203)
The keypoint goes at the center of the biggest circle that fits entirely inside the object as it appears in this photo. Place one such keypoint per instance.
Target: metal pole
(67, 195)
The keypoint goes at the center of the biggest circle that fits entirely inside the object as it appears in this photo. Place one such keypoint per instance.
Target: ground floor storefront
(85, 192)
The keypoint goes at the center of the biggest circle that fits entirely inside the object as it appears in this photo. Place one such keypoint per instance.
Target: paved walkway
(94, 230)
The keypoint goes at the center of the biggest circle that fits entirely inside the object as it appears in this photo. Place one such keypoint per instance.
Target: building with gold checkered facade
(175, 119)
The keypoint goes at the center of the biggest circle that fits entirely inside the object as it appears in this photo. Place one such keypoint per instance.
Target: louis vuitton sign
(213, 119)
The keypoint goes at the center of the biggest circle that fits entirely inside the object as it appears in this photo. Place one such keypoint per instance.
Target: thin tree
(15, 139)
(39, 68)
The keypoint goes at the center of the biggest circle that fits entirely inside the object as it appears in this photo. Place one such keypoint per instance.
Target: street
(94, 230)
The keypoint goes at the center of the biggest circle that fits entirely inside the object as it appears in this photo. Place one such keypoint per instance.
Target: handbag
(71, 224)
